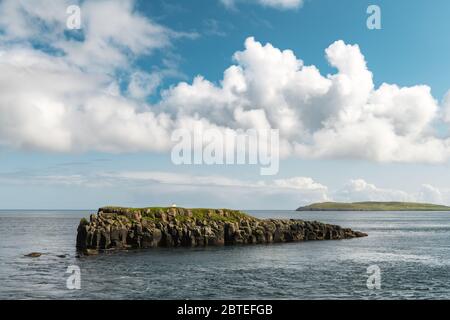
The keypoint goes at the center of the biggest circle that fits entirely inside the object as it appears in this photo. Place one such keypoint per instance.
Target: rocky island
(374, 206)
(114, 228)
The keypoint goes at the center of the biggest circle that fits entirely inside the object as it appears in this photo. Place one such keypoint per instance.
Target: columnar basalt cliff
(125, 228)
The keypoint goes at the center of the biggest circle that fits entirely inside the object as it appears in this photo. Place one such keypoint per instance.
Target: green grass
(153, 209)
(374, 206)
(202, 214)
(153, 214)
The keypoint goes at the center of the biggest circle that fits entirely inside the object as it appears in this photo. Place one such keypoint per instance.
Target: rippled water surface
(412, 250)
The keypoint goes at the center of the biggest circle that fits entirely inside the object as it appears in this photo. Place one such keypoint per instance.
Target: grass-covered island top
(373, 206)
(115, 228)
(161, 214)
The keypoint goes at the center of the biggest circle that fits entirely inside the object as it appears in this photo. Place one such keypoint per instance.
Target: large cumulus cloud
(338, 115)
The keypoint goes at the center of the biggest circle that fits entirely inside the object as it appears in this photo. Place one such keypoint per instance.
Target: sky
(87, 115)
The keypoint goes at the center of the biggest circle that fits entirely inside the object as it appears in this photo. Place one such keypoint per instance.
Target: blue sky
(60, 147)
(410, 49)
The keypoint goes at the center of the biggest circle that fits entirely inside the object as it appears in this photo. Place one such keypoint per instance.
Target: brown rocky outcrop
(125, 228)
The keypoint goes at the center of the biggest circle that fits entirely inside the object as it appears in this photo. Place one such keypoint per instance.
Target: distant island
(373, 206)
(114, 228)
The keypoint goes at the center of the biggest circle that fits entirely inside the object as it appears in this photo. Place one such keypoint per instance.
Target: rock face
(125, 228)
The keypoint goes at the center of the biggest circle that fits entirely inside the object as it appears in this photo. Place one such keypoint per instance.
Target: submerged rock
(125, 228)
(34, 255)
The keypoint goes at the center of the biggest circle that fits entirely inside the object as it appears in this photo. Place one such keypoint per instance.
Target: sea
(405, 256)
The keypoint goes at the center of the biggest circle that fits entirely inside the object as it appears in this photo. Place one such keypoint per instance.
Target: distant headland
(115, 228)
(373, 206)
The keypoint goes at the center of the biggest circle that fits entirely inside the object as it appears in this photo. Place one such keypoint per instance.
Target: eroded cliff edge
(115, 228)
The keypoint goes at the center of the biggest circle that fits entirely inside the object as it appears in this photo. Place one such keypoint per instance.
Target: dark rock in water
(126, 228)
(62, 256)
(34, 255)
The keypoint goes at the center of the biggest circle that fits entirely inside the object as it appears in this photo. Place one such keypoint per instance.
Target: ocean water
(412, 250)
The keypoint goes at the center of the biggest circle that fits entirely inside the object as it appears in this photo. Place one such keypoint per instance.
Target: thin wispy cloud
(278, 4)
(299, 190)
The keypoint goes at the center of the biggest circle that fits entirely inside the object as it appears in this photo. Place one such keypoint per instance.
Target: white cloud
(172, 178)
(298, 190)
(284, 4)
(143, 84)
(125, 178)
(47, 103)
(301, 183)
(295, 184)
(360, 190)
(67, 97)
(431, 194)
(113, 31)
(341, 115)
(446, 107)
(279, 4)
